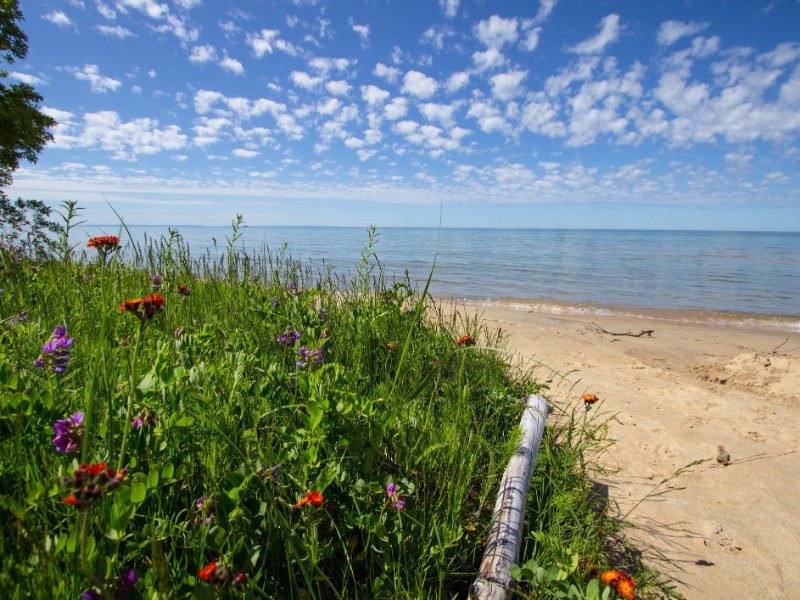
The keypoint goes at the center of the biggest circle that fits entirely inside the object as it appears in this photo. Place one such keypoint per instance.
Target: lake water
(747, 277)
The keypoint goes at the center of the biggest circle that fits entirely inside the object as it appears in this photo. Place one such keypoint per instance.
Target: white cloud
(231, 65)
(98, 83)
(338, 87)
(303, 80)
(58, 17)
(203, 54)
(540, 115)
(436, 36)
(419, 85)
(187, 4)
(671, 31)
(488, 117)
(545, 8)
(490, 59)
(396, 109)
(115, 30)
(507, 85)
(27, 78)
(531, 40)
(456, 81)
(326, 65)
(245, 153)
(390, 74)
(496, 31)
(105, 11)
(609, 32)
(362, 31)
(152, 9)
(449, 7)
(329, 106)
(373, 95)
(262, 41)
(442, 113)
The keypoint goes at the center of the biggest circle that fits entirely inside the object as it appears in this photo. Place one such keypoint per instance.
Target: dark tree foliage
(24, 129)
(26, 229)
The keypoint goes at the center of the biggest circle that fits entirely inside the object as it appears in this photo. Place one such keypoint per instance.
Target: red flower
(184, 291)
(208, 572)
(95, 469)
(71, 499)
(315, 498)
(590, 398)
(626, 587)
(151, 304)
(104, 243)
(611, 576)
(465, 340)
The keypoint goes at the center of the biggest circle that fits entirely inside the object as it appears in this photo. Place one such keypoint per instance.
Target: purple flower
(397, 499)
(91, 595)
(306, 355)
(69, 433)
(288, 337)
(207, 506)
(293, 288)
(55, 351)
(146, 416)
(272, 474)
(275, 302)
(155, 280)
(127, 580)
(322, 315)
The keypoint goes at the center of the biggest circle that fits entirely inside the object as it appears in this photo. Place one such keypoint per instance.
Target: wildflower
(104, 245)
(293, 288)
(127, 580)
(315, 498)
(155, 281)
(207, 506)
(465, 340)
(288, 337)
(325, 334)
(91, 595)
(397, 499)
(143, 307)
(179, 331)
(611, 576)
(306, 355)
(275, 302)
(626, 587)
(589, 399)
(208, 572)
(91, 481)
(322, 315)
(391, 346)
(55, 352)
(146, 416)
(270, 474)
(184, 291)
(69, 433)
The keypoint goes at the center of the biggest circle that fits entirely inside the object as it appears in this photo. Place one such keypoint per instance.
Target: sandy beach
(673, 397)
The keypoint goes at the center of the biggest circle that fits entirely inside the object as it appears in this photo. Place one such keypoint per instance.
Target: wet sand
(673, 397)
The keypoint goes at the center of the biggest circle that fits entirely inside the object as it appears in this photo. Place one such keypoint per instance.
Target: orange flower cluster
(589, 399)
(184, 291)
(315, 498)
(104, 243)
(391, 346)
(624, 584)
(143, 307)
(465, 340)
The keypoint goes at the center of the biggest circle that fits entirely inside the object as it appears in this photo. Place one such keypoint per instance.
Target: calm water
(681, 272)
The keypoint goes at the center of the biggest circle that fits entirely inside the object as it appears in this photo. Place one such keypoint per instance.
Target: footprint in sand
(715, 537)
(753, 436)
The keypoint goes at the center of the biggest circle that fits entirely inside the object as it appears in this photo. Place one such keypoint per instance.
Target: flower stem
(126, 428)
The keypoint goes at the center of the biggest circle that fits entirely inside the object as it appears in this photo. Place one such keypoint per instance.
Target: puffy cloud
(671, 31)
(262, 41)
(489, 117)
(609, 33)
(531, 40)
(507, 85)
(456, 81)
(338, 87)
(245, 153)
(490, 59)
(329, 106)
(373, 95)
(98, 83)
(449, 7)
(390, 74)
(152, 9)
(443, 113)
(231, 65)
(58, 17)
(495, 31)
(540, 115)
(419, 85)
(187, 4)
(545, 8)
(303, 80)
(396, 109)
(203, 54)
(362, 31)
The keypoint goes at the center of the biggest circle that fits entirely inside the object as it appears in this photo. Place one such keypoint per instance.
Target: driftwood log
(505, 535)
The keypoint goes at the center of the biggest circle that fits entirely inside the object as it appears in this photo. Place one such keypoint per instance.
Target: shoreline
(670, 400)
(723, 319)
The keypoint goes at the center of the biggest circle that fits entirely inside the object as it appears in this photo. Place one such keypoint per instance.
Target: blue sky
(536, 113)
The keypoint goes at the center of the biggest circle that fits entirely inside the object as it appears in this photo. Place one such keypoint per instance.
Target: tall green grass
(241, 424)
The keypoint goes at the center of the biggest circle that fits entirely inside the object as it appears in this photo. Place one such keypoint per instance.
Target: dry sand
(719, 531)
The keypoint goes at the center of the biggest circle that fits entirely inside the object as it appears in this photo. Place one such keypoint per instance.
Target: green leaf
(593, 590)
(185, 421)
(139, 488)
(167, 472)
(152, 479)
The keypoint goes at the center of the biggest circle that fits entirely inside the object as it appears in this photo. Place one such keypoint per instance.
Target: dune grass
(259, 428)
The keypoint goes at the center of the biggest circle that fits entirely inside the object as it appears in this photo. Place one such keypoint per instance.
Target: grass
(239, 428)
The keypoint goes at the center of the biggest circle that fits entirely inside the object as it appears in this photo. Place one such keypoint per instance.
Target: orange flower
(465, 340)
(590, 398)
(611, 576)
(184, 291)
(94, 469)
(391, 346)
(315, 498)
(208, 572)
(152, 303)
(71, 499)
(626, 587)
(104, 242)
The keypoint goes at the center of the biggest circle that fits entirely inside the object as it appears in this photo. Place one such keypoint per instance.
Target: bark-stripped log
(505, 535)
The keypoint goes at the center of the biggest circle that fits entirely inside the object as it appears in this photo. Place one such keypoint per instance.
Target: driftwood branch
(647, 332)
(505, 535)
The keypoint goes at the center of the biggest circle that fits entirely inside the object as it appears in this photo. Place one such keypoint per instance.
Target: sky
(651, 114)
